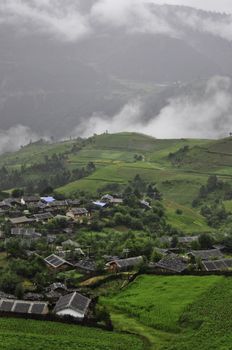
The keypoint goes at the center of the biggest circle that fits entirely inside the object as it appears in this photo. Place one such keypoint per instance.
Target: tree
(16, 193)
(174, 242)
(156, 256)
(8, 281)
(205, 241)
(19, 291)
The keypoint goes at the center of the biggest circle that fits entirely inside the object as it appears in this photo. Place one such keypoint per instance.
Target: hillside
(175, 312)
(178, 174)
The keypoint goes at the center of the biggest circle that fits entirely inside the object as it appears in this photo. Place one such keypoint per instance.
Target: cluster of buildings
(73, 305)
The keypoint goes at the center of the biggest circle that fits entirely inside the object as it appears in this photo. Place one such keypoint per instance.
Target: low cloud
(187, 116)
(56, 17)
(12, 139)
(66, 21)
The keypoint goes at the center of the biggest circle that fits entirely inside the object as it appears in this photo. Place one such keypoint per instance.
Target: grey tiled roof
(74, 301)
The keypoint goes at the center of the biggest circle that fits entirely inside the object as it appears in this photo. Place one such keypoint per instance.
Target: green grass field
(176, 312)
(159, 301)
(19, 334)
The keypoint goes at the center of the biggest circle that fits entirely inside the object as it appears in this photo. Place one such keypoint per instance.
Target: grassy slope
(159, 301)
(19, 334)
(207, 324)
(185, 312)
(114, 159)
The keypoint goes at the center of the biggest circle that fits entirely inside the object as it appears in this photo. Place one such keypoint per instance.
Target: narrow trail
(153, 339)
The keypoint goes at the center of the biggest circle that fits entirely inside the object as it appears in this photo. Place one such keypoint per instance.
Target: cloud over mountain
(15, 137)
(204, 113)
(67, 21)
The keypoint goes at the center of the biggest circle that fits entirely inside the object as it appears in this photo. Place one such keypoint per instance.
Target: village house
(58, 287)
(170, 264)
(107, 198)
(55, 262)
(23, 307)
(68, 247)
(78, 214)
(74, 304)
(73, 202)
(13, 202)
(27, 200)
(86, 266)
(58, 206)
(27, 235)
(211, 254)
(47, 200)
(20, 221)
(217, 265)
(124, 264)
(5, 206)
(43, 217)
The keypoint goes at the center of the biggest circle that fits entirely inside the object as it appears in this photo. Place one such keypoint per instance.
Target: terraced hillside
(179, 167)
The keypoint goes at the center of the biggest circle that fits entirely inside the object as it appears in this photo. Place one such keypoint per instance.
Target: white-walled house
(73, 304)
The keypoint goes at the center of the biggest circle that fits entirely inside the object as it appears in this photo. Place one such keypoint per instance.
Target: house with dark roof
(43, 217)
(73, 202)
(171, 263)
(211, 254)
(74, 304)
(58, 287)
(23, 307)
(26, 200)
(217, 265)
(29, 233)
(86, 266)
(107, 198)
(5, 205)
(20, 221)
(124, 264)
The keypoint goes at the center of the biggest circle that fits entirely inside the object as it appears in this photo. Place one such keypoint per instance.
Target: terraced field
(114, 158)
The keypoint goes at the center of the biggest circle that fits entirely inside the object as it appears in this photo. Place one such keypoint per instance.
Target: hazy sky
(210, 5)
